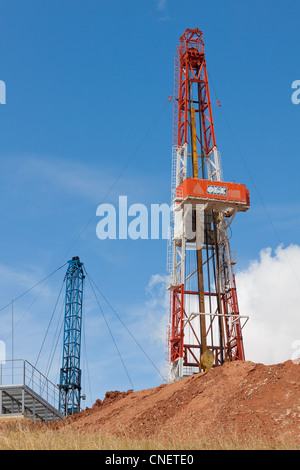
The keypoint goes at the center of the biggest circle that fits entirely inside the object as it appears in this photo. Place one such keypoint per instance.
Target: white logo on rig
(2, 92)
(218, 190)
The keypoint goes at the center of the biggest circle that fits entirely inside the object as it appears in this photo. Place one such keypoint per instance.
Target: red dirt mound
(240, 398)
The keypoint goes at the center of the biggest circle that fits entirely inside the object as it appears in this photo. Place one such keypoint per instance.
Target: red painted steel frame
(190, 68)
(176, 320)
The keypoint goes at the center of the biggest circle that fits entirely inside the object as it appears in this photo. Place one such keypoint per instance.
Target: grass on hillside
(24, 435)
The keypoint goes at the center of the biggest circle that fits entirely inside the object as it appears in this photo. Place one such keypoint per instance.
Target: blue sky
(87, 119)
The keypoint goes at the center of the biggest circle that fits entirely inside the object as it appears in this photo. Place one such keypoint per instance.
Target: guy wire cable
(31, 288)
(50, 321)
(254, 184)
(109, 329)
(127, 329)
(139, 145)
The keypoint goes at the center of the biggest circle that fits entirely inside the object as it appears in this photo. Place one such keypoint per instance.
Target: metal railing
(19, 372)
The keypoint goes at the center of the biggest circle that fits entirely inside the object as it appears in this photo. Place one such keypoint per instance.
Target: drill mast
(70, 372)
(205, 327)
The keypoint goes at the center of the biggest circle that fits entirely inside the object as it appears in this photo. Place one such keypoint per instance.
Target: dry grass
(25, 435)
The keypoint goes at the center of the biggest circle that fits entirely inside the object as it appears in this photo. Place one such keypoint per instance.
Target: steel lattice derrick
(205, 323)
(70, 373)
(193, 74)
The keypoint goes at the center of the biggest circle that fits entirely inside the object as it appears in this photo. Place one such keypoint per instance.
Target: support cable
(50, 321)
(109, 329)
(254, 184)
(152, 124)
(86, 360)
(126, 328)
(57, 336)
(31, 288)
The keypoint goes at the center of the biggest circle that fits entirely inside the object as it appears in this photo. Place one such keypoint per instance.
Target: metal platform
(24, 391)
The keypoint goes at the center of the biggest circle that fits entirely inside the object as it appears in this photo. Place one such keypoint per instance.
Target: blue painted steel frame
(70, 373)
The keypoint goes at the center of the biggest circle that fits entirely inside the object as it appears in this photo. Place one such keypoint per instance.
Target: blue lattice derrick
(70, 373)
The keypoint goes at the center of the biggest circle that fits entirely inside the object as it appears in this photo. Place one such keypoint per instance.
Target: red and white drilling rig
(205, 326)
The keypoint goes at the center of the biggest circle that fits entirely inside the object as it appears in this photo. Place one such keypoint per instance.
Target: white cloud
(157, 317)
(73, 178)
(44, 178)
(269, 292)
(161, 4)
(156, 289)
(162, 8)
